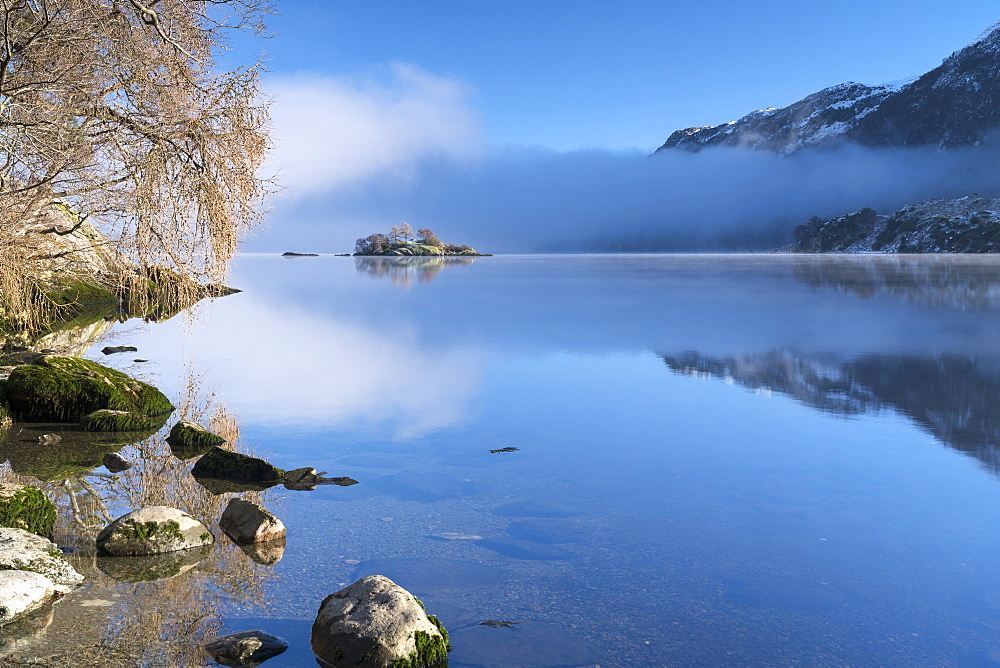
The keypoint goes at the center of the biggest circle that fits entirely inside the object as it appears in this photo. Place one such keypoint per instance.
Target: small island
(402, 241)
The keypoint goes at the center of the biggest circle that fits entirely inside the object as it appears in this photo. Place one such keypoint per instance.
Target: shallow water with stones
(721, 460)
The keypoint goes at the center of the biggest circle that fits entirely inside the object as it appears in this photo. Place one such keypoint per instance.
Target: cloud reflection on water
(284, 364)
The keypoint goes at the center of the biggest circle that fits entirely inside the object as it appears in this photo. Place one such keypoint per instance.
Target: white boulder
(375, 622)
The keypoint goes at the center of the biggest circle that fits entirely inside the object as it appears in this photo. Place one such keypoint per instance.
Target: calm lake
(719, 460)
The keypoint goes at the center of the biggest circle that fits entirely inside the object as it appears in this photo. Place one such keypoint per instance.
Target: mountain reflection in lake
(654, 511)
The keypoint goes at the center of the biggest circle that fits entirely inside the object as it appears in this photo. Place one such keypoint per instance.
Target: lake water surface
(720, 460)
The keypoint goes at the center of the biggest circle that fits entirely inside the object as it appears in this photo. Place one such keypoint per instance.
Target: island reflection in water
(645, 518)
(401, 270)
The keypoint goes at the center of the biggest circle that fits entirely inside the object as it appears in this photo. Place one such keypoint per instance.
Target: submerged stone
(77, 452)
(248, 648)
(64, 389)
(229, 465)
(152, 530)
(116, 463)
(547, 531)
(523, 549)
(375, 622)
(538, 508)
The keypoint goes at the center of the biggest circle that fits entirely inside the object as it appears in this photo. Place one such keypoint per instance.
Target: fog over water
(534, 200)
(358, 154)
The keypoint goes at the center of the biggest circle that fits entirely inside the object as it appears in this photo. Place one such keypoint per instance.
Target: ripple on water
(549, 531)
(431, 576)
(539, 508)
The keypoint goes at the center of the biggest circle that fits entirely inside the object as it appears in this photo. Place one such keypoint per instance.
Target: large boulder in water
(375, 622)
(57, 388)
(247, 522)
(152, 530)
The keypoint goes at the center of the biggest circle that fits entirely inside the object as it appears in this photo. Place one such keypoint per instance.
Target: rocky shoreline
(63, 416)
(388, 624)
(968, 224)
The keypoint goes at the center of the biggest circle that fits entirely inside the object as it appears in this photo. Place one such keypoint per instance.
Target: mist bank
(519, 199)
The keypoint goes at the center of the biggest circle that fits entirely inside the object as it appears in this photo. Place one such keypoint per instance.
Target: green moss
(146, 530)
(432, 650)
(109, 420)
(29, 509)
(189, 440)
(64, 389)
(228, 465)
(440, 627)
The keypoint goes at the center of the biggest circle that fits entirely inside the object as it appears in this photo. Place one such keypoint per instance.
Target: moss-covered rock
(152, 530)
(376, 623)
(26, 507)
(228, 465)
(111, 420)
(63, 389)
(188, 440)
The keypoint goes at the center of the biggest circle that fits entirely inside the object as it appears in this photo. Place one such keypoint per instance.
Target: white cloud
(332, 132)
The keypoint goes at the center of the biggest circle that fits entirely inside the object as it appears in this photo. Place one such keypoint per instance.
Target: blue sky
(511, 124)
(568, 75)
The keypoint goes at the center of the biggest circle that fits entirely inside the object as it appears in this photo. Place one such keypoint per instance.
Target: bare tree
(119, 111)
(405, 231)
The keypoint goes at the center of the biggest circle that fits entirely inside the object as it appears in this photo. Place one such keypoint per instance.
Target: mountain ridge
(954, 104)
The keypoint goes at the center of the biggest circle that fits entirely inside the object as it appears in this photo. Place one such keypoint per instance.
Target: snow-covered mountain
(955, 104)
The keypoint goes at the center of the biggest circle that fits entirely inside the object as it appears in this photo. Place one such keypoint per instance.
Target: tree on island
(119, 112)
(429, 238)
(406, 232)
(397, 242)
